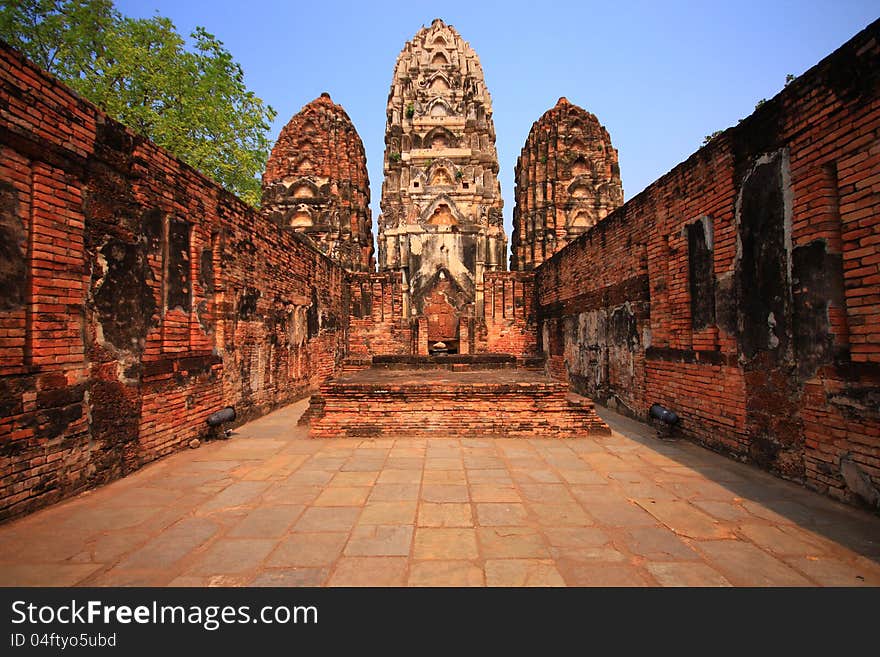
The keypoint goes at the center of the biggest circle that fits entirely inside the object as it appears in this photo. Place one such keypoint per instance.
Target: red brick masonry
(434, 403)
(742, 289)
(136, 297)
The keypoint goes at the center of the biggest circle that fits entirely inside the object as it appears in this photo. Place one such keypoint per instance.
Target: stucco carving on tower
(567, 179)
(441, 221)
(316, 184)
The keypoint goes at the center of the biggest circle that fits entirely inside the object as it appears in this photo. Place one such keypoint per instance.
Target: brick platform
(440, 402)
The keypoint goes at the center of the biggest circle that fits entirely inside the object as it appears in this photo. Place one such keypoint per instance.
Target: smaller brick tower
(316, 184)
(567, 179)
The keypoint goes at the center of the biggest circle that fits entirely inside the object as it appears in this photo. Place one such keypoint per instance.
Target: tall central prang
(441, 222)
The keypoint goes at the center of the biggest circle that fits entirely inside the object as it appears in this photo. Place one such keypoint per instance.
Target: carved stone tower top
(567, 179)
(316, 184)
(441, 222)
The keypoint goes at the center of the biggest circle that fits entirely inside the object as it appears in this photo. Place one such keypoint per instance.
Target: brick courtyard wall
(742, 289)
(377, 326)
(136, 297)
(509, 326)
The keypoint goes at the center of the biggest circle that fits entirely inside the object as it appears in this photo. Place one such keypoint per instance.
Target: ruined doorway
(443, 316)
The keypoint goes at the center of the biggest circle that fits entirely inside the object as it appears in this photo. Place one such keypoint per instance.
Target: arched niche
(582, 218)
(301, 218)
(439, 138)
(581, 167)
(441, 177)
(439, 109)
(439, 59)
(439, 84)
(302, 191)
(442, 216)
(442, 212)
(581, 190)
(304, 165)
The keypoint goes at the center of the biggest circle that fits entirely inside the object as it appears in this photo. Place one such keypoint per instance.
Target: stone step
(436, 403)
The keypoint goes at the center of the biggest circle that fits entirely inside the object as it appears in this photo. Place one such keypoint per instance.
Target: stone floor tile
(494, 493)
(405, 463)
(328, 519)
(389, 513)
(54, 574)
(499, 476)
(291, 577)
(446, 543)
(394, 492)
(445, 573)
(546, 493)
(399, 477)
(535, 476)
(744, 564)
(433, 514)
(291, 494)
(369, 571)
(310, 477)
(303, 549)
(597, 573)
(512, 543)
(559, 515)
(685, 574)
(730, 512)
(522, 572)
(576, 537)
(685, 519)
(229, 556)
(445, 477)
(354, 478)
(343, 496)
(502, 514)
(171, 545)
(122, 577)
(108, 548)
(358, 465)
(480, 462)
(658, 544)
(380, 541)
(267, 522)
(582, 476)
(442, 463)
(444, 493)
(830, 571)
(784, 541)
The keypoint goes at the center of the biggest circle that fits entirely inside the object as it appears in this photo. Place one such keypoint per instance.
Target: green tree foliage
(187, 97)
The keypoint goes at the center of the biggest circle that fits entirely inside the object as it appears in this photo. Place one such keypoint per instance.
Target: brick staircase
(450, 396)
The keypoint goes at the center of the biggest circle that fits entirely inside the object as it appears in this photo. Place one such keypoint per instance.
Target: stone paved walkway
(270, 507)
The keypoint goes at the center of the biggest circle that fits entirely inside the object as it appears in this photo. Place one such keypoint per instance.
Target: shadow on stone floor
(762, 493)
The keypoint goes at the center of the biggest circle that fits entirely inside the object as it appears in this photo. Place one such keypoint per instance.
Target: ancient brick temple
(567, 179)
(441, 222)
(741, 289)
(316, 184)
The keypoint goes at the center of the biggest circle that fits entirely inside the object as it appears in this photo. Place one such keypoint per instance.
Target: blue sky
(659, 75)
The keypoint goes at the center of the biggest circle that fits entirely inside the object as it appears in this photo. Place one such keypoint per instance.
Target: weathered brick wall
(377, 326)
(741, 289)
(136, 297)
(509, 326)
